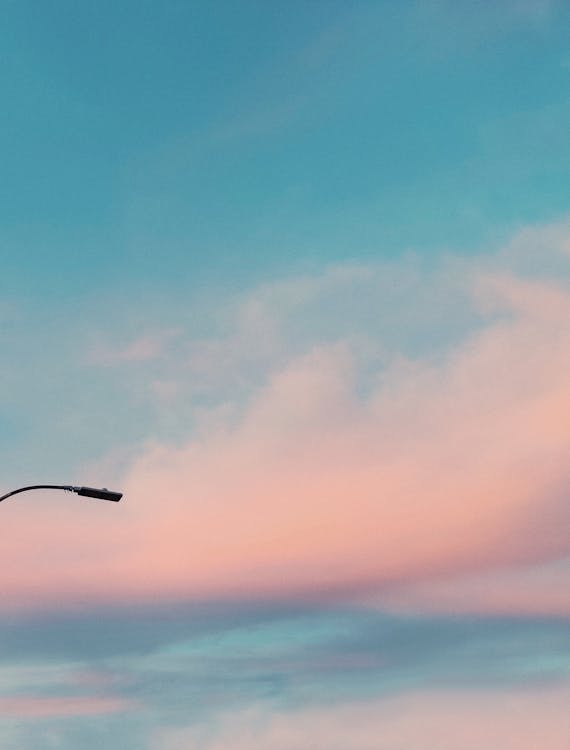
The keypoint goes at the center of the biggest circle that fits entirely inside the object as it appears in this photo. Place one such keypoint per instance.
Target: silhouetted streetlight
(99, 494)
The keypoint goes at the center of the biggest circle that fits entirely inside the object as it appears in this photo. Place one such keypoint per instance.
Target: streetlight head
(102, 494)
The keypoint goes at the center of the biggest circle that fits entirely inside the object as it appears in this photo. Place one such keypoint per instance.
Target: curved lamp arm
(100, 494)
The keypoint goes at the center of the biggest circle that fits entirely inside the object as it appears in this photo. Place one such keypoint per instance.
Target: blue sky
(159, 152)
(220, 141)
(285, 257)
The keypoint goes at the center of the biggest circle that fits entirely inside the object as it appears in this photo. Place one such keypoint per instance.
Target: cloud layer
(236, 675)
(355, 462)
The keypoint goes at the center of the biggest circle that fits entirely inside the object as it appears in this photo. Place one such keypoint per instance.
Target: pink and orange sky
(301, 290)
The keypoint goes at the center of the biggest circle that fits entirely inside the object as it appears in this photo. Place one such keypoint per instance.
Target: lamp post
(99, 494)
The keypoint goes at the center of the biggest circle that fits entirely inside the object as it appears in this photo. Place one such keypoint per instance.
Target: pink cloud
(533, 590)
(467, 720)
(445, 467)
(24, 707)
(148, 346)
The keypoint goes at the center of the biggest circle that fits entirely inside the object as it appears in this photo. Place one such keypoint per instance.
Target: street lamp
(99, 494)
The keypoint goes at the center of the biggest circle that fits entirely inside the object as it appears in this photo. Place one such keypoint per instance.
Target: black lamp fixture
(99, 494)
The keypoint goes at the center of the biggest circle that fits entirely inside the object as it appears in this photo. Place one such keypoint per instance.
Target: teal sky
(282, 269)
(155, 153)
(152, 144)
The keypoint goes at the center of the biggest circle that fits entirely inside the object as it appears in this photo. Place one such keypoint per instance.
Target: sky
(295, 277)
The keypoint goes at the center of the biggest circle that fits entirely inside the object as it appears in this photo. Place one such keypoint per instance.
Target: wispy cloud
(27, 707)
(212, 663)
(149, 346)
(521, 720)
